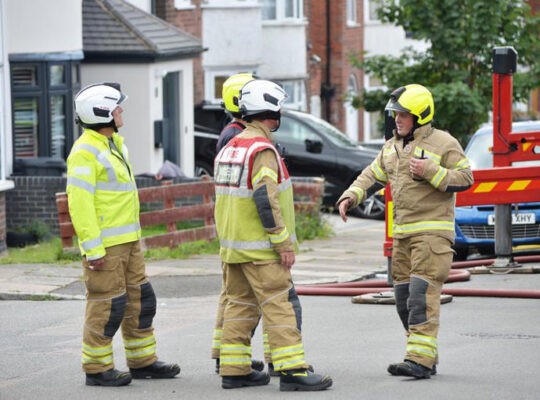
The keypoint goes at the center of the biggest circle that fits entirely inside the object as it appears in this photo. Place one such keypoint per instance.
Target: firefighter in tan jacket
(425, 167)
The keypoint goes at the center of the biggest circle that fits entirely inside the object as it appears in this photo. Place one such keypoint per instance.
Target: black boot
(255, 378)
(411, 368)
(255, 364)
(157, 370)
(112, 377)
(303, 380)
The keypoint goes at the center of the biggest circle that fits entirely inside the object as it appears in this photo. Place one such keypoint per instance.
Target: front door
(171, 118)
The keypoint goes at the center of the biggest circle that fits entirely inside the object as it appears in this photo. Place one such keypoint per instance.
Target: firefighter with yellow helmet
(230, 95)
(254, 215)
(425, 168)
(104, 208)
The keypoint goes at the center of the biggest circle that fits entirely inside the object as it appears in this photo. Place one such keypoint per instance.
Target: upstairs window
(351, 13)
(282, 10)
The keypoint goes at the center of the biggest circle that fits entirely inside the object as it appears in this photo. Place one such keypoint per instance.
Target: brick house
(335, 31)
(82, 42)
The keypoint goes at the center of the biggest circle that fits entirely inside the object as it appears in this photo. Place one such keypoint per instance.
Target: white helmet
(94, 104)
(259, 96)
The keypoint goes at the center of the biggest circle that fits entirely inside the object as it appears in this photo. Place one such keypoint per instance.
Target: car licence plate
(517, 219)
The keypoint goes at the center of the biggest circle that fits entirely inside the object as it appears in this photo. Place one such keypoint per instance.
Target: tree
(457, 65)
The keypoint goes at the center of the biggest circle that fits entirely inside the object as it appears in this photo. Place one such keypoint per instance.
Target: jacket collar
(118, 140)
(260, 127)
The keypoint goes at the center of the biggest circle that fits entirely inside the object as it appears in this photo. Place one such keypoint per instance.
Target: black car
(310, 146)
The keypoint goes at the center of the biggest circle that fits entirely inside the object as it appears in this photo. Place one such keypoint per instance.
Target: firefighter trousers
(265, 286)
(420, 266)
(218, 327)
(119, 295)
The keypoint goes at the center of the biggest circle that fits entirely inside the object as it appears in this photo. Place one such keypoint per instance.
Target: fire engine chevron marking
(506, 186)
(485, 187)
(519, 185)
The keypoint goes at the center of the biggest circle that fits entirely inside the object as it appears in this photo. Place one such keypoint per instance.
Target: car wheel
(203, 169)
(486, 250)
(372, 207)
(461, 254)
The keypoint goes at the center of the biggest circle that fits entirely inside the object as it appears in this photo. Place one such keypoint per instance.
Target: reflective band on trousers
(216, 340)
(140, 348)
(266, 345)
(424, 226)
(97, 355)
(260, 245)
(288, 357)
(422, 345)
(235, 354)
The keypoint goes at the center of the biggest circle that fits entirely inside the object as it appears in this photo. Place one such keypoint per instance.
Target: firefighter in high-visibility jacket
(104, 208)
(230, 96)
(254, 215)
(425, 168)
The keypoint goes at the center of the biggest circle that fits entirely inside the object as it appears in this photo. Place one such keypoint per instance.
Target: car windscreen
(329, 131)
(479, 149)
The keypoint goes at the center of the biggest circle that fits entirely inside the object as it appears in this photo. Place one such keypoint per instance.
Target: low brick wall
(34, 199)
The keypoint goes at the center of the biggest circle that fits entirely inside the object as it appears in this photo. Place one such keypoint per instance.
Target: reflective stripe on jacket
(102, 194)
(420, 206)
(242, 236)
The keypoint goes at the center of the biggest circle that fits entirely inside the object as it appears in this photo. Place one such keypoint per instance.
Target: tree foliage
(456, 67)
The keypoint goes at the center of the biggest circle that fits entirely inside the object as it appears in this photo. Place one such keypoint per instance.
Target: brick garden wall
(34, 199)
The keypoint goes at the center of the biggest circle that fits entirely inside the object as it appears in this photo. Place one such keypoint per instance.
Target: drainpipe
(327, 90)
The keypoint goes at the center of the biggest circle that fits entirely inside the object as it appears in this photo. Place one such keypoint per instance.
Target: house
(47, 55)
(336, 31)
(266, 38)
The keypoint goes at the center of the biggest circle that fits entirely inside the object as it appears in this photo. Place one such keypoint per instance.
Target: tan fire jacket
(425, 205)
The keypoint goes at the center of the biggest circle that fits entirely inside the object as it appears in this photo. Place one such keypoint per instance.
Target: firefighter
(425, 168)
(254, 215)
(104, 208)
(230, 95)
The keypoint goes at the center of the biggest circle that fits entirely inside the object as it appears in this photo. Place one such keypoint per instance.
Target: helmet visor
(393, 105)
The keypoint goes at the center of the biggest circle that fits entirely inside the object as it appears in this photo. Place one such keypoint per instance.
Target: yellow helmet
(231, 91)
(414, 99)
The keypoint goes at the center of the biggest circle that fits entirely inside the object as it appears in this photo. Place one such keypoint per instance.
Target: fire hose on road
(377, 286)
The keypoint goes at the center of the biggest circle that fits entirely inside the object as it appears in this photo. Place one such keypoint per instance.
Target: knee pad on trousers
(295, 301)
(118, 307)
(417, 301)
(401, 294)
(148, 306)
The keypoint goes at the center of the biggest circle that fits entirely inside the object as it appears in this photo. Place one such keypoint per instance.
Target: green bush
(311, 226)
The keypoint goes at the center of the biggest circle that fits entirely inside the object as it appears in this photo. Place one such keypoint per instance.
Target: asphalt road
(489, 349)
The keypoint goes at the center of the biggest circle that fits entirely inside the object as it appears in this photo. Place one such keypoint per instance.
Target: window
(214, 80)
(371, 11)
(278, 10)
(351, 12)
(42, 114)
(183, 4)
(297, 94)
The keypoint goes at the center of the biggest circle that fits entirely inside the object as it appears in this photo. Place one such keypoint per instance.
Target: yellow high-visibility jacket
(254, 209)
(102, 194)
